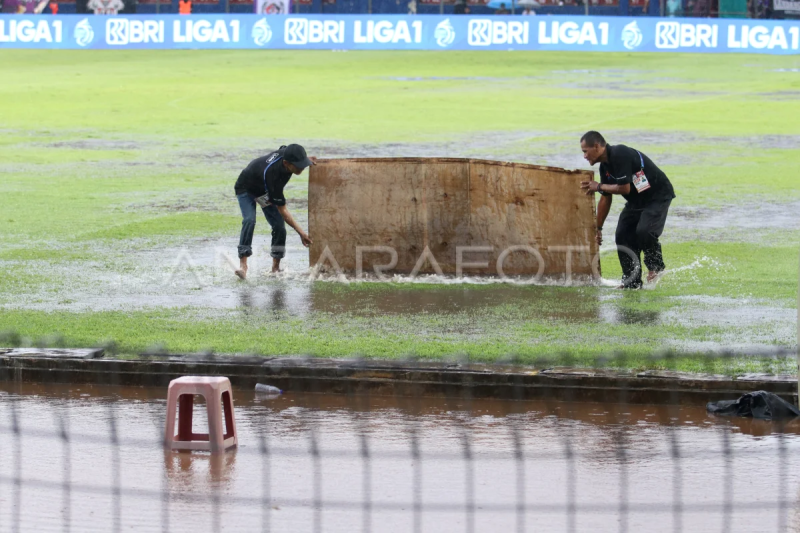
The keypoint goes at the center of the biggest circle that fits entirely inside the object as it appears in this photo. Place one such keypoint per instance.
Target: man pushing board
(262, 183)
(648, 192)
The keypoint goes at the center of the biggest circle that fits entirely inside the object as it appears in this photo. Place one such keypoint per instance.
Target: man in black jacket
(648, 192)
(262, 183)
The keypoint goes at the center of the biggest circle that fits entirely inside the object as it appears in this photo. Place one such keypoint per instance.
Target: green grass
(106, 156)
(229, 94)
(328, 335)
(182, 223)
(731, 270)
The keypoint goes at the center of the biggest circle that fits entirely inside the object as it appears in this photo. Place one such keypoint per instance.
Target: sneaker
(635, 285)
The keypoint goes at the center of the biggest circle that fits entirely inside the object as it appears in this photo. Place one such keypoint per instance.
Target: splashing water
(701, 262)
(697, 264)
(311, 275)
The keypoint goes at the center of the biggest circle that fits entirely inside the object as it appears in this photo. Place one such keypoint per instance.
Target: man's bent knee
(645, 238)
(624, 237)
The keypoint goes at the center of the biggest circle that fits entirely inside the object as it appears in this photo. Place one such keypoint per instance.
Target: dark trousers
(247, 203)
(638, 231)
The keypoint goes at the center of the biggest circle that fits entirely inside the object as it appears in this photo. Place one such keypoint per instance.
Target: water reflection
(299, 449)
(279, 298)
(372, 299)
(612, 313)
(523, 302)
(151, 401)
(603, 416)
(186, 470)
(633, 316)
(246, 300)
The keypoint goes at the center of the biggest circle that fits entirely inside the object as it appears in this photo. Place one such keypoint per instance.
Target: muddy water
(201, 277)
(429, 465)
(169, 273)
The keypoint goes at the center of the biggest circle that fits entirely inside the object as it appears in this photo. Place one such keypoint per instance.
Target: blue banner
(394, 32)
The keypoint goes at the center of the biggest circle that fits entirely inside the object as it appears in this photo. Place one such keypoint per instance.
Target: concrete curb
(404, 378)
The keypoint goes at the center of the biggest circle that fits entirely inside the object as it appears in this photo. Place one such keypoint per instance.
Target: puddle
(645, 138)
(781, 95)
(483, 145)
(558, 148)
(613, 90)
(718, 311)
(198, 277)
(539, 303)
(350, 463)
(729, 223)
(612, 84)
(211, 202)
(552, 148)
(609, 72)
(170, 273)
(98, 144)
(217, 201)
(450, 78)
(201, 276)
(763, 215)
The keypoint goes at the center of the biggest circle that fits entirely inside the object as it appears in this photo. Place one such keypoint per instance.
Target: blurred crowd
(97, 7)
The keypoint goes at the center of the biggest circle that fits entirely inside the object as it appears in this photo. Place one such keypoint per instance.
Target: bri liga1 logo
(262, 33)
(444, 34)
(83, 33)
(631, 36)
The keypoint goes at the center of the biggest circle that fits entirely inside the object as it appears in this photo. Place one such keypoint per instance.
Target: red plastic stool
(219, 397)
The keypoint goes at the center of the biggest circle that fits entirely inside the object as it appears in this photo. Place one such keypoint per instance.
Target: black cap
(296, 155)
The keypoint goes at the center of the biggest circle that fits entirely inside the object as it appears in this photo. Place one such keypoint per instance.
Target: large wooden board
(440, 205)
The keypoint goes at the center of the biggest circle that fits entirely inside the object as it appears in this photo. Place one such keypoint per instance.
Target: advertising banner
(272, 7)
(788, 7)
(397, 32)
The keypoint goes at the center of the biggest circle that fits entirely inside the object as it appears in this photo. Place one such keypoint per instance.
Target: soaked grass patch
(47, 155)
(38, 252)
(731, 270)
(200, 224)
(94, 190)
(436, 338)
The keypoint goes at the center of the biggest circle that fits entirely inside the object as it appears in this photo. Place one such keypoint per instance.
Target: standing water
(88, 458)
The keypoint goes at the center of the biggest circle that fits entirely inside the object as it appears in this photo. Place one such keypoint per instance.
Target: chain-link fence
(365, 445)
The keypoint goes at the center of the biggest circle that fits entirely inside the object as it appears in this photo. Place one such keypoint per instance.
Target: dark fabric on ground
(759, 404)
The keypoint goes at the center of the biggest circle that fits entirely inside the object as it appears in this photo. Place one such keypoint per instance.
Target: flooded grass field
(89, 458)
(119, 220)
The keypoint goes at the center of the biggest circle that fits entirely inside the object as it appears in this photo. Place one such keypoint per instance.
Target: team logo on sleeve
(262, 33)
(444, 34)
(83, 33)
(631, 36)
